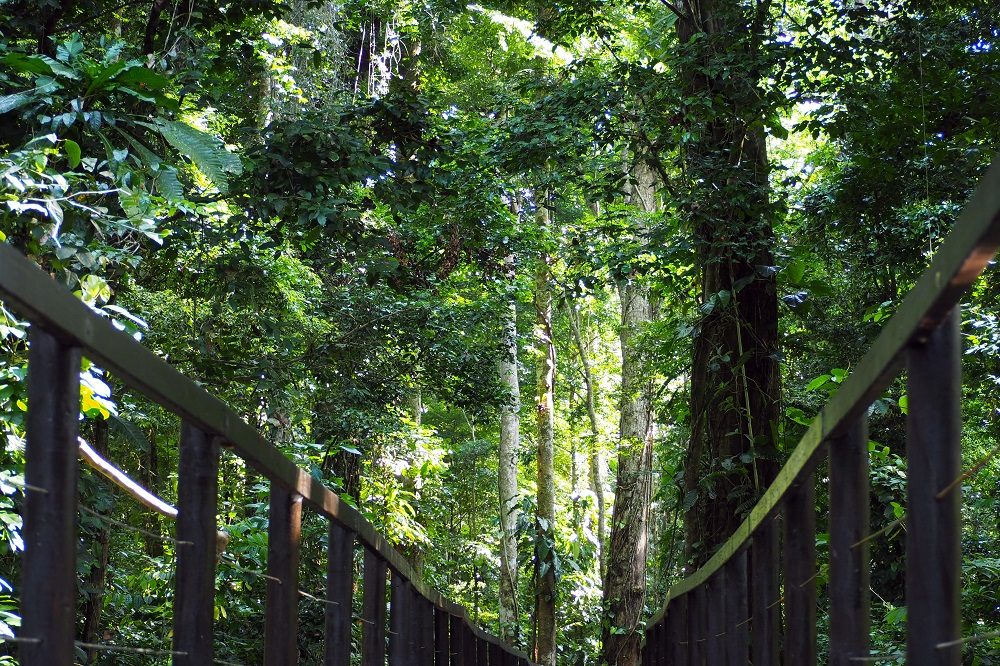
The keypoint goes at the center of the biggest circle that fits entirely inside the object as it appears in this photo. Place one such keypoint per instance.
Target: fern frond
(207, 152)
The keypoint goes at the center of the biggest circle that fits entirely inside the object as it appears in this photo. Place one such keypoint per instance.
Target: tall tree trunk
(150, 479)
(732, 455)
(595, 453)
(545, 371)
(510, 429)
(415, 553)
(95, 581)
(625, 583)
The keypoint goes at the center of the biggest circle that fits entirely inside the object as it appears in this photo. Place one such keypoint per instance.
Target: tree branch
(672, 7)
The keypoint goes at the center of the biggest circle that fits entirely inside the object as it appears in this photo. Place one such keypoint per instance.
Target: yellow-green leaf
(73, 153)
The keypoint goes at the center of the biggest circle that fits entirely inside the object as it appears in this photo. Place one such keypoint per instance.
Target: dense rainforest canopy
(547, 290)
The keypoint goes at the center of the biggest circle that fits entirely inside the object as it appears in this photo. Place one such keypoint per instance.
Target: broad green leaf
(29, 64)
(147, 157)
(10, 102)
(795, 271)
(130, 431)
(73, 153)
(206, 151)
(797, 415)
(108, 73)
(817, 382)
(69, 49)
(94, 289)
(168, 185)
(145, 78)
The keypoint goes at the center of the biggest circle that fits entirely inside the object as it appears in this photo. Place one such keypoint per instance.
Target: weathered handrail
(428, 627)
(913, 332)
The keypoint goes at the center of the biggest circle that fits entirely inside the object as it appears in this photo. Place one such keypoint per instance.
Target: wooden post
(197, 501)
(677, 631)
(800, 574)
(660, 644)
(442, 640)
(457, 641)
(849, 520)
(737, 610)
(933, 505)
(400, 617)
(482, 651)
(427, 629)
(696, 626)
(48, 577)
(715, 645)
(281, 612)
(653, 649)
(340, 592)
(373, 611)
(471, 645)
(765, 606)
(496, 655)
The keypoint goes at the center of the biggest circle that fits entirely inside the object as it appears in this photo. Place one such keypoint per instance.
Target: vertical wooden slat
(696, 626)
(651, 648)
(496, 655)
(197, 501)
(849, 525)
(715, 644)
(456, 641)
(933, 520)
(764, 595)
(442, 639)
(414, 624)
(470, 645)
(281, 612)
(373, 611)
(340, 592)
(737, 610)
(800, 573)
(400, 614)
(48, 577)
(482, 651)
(677, 630)
(660, 643)
(428, 629)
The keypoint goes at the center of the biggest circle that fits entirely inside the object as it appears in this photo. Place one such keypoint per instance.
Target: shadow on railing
(425, 629)
(740, 583)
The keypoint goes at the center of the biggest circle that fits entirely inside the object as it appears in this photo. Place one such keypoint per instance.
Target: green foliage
(318, 243)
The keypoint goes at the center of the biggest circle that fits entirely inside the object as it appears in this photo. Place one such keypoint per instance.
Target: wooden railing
(425, 629)
(728, 611)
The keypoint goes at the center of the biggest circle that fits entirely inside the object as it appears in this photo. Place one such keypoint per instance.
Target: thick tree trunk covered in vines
(732, 454)
(545, 372)
(625, 582)
(510, 427)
